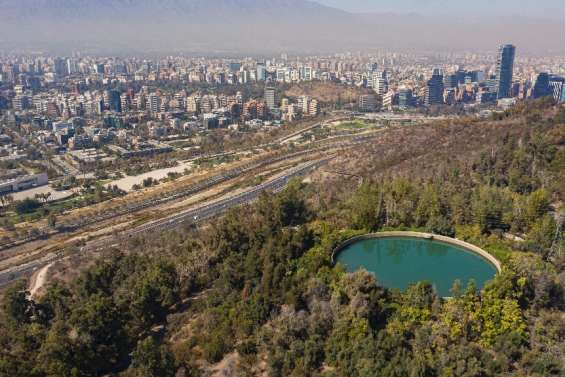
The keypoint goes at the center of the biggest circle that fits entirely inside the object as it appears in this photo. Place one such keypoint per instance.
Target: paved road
(188, 191)
(193, 216)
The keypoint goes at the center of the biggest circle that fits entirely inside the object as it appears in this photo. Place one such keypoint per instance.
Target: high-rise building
(557, 86)
(314, 107)
(153, 102)
(193, 104)
(368, 102)
(114, 102)
(505, 70)
(434, 89)
(261, 73)
(125, 102)
(405, 98)
(303, 103)
(389, 100)
(541, 87)
(270, 97)
(307, 74)
(59, 66)
(99, 68)
(71, 66)
(451, 81)
(379, 82)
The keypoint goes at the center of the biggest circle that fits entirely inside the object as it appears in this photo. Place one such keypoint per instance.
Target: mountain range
(253, 26)
(475, 8)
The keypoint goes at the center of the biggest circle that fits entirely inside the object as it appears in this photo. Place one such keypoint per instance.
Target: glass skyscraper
(542, 86)
(505, 70)
(434, 90)
(557, 85)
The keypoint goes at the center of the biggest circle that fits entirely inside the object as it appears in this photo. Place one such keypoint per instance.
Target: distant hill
(250, 26)
(476, 8)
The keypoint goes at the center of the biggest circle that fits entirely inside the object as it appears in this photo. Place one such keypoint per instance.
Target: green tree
(16, 304)
(541, 236)
(59, 355)
(151, 360)
(367, 207)
(429, 206)
(26, 206)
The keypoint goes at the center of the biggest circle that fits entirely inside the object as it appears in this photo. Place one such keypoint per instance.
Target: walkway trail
(38, 280)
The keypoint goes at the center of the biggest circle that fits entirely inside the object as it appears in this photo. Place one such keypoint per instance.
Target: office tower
(99, 69)
(557, 86)
(71, 66)
(558, 92)
(541, 87)
(270, 97)
(261, 73)
(60, 67)
(475, 76)
(451, 81)
(434, 90)
(460, 75)
(405, 98)
(505, 70)
(114, 101)
(367, 102)
(209, 121)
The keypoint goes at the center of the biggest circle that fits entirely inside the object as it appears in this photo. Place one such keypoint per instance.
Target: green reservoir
(398, 262)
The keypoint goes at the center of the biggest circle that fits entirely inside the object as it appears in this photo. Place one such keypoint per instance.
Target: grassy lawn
(353, 126)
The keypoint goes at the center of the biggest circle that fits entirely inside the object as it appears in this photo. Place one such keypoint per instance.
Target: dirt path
(38, 280)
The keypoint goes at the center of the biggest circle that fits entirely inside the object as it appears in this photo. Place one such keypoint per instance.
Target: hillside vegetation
(256, 293)
(326, 92)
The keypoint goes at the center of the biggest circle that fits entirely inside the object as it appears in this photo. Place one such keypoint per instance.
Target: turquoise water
(398, 262)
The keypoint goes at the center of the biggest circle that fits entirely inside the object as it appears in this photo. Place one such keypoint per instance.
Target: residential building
(270, 98)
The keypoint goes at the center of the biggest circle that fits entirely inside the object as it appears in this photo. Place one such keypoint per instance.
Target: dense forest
(256, 293)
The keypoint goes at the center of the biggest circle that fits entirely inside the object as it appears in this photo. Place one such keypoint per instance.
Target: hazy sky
(465, 25)
(535, 8)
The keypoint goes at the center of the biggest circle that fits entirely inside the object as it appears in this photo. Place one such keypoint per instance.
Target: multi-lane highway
(201, 213)
(195, 215)
(206, 184)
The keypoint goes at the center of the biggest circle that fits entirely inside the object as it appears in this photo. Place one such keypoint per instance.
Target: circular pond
(399, 261)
